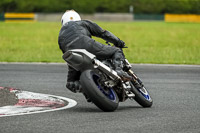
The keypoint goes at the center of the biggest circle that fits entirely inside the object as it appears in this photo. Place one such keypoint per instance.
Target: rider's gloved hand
(120, 44)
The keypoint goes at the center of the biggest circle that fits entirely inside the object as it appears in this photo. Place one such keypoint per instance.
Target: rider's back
(73, 32)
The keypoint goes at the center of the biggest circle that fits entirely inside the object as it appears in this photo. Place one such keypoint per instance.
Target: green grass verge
(148, 42)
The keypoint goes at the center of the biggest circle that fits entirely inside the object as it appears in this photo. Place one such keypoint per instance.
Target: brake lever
(110, 44)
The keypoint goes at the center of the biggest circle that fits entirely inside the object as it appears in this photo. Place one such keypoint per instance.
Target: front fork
(127, 68)
(135, 78)
(127, 87)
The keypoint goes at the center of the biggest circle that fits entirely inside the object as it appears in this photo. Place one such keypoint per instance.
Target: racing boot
(74, 86)
(122, 74)
(73, 83)
(118, 59)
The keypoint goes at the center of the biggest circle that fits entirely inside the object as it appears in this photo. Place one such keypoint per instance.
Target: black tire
(142, 99)
(91, 88)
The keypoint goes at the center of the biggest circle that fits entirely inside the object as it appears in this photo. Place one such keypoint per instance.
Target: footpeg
(130, 94)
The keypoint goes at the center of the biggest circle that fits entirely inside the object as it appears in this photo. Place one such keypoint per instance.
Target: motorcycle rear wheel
(104, 98)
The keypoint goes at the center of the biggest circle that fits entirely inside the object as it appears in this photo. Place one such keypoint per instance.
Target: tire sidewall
(93, 92)
(140, 99)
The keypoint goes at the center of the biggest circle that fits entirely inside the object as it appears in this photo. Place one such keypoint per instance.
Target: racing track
(175, 91)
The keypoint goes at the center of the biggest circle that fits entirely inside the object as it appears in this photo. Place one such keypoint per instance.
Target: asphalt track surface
(174, 89)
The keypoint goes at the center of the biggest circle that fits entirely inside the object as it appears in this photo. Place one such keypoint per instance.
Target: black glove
(120, 44)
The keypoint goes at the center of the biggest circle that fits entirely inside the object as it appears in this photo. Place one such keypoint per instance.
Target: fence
(182, 18)
(30, 17)
(17, 17)
(149, 17)
(94, 17)
(1, 17)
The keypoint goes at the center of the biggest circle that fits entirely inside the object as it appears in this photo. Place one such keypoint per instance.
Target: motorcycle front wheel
(104, 98)
(142, 96)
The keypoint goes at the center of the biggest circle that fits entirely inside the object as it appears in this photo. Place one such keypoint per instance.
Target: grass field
(148, 42)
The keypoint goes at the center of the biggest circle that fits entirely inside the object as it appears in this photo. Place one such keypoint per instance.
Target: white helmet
(70, 15)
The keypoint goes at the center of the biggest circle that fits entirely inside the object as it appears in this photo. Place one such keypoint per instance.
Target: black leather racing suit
(77, 35)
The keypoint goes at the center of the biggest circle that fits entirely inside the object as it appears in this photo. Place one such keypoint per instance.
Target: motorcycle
(104, 87)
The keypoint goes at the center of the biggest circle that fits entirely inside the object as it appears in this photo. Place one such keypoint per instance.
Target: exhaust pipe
(106, 69)
(73, 58)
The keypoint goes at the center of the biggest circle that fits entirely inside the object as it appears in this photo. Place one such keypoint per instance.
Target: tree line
(111, 6)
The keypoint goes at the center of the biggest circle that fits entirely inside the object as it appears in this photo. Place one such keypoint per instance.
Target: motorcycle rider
(76, 34)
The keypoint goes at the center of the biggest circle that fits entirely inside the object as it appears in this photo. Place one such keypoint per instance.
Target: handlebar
(111, 45)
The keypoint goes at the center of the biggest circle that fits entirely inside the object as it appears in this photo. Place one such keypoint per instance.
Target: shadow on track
(82, 109)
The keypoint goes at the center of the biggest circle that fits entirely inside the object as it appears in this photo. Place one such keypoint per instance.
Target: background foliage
(91, 6)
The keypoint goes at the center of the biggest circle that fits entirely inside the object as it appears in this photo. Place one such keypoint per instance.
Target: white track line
(42, 63)
(71, 104)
